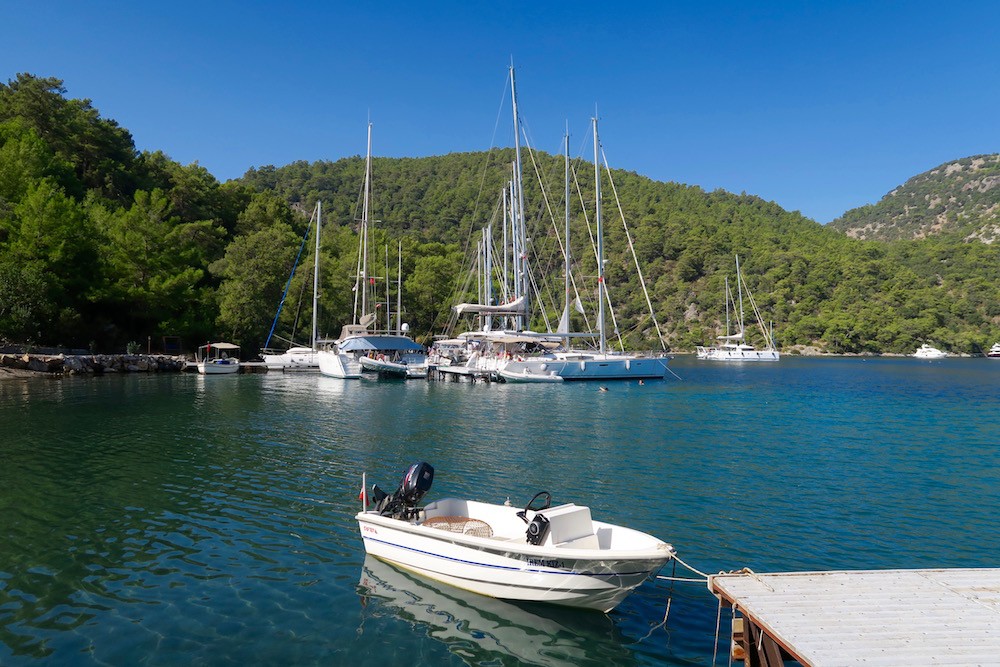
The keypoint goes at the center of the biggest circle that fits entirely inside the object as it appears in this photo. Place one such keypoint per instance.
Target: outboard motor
(403, 502)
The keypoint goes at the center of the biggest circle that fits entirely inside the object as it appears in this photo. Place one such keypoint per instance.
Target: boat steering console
(538, 527)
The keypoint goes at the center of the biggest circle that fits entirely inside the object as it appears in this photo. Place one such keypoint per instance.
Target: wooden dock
(880, 617)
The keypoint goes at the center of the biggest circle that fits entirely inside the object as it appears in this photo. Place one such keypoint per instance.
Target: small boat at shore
(218, 359)
(543, 553)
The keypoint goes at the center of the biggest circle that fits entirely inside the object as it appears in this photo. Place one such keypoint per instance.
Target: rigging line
(548, 208)
(590, 233)
(462, 279)
(482, 181)
(631, 247)
(760, 320)
(289, 283)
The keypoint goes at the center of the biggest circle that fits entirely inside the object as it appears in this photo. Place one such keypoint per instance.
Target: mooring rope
(702, 580)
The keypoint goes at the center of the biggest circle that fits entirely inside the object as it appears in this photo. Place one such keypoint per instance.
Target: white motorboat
(292, 359)
(994, 352)
(926, 351)
(529, 374)
(218, 359)
(407, 366)
(733, 347)
(558, 554)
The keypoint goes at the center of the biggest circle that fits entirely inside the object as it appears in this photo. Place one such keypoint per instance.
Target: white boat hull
(927, 352)
(394, 369)
(505, 566)
(294, 359)
(574, 367)
(218, 367)
(723, 354)
(338, 364)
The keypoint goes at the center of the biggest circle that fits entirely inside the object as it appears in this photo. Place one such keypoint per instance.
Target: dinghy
(543, 553)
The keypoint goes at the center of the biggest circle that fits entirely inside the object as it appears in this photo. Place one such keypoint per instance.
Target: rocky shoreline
(30, 365)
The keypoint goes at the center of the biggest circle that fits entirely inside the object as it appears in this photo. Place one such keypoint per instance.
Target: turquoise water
(177, 519)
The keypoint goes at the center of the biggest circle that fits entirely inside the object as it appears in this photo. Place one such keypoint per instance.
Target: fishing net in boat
(460, 524)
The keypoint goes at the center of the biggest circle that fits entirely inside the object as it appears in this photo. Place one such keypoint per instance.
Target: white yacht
(994, 352)
(734, 347)
(925, 351)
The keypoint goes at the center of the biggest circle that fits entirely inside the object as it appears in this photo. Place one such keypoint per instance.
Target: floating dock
(462, 373)
(879, 617)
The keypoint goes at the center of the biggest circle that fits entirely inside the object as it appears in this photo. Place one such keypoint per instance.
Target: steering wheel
(545, 504)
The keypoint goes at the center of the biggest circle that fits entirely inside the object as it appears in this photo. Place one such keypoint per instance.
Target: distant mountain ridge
(961, 197)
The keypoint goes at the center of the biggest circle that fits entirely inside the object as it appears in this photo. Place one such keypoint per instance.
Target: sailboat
(521, 355)
(342, 358)
(733, 347)
(298, 358)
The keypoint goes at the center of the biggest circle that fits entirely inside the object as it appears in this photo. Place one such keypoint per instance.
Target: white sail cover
(515, 307)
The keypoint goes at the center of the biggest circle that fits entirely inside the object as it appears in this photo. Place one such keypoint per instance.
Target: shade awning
(379, 344)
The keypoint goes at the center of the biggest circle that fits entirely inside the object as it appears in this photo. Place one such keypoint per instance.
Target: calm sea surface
(177, 519)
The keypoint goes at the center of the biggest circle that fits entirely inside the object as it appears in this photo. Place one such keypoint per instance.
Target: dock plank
(872, 617)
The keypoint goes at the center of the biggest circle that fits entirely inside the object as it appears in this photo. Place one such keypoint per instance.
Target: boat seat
(460, 524)
(570, 526)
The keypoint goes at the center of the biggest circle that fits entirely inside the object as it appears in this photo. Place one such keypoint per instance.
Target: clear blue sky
(818, 106)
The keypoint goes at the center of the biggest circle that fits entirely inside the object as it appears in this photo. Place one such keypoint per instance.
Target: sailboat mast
(506, 267)
(364, 225)
(564, 322)
(319, 214)
(388, 311)
(739, 291)
(601, 287)
(399, 289)
(728, 299)
(520, 259)
(488, 271)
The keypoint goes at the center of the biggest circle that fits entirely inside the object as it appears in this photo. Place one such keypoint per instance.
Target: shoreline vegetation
(103, 245)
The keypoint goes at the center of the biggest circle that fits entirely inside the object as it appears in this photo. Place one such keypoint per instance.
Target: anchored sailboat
(733, 347)
(520, 355)
(298, 358)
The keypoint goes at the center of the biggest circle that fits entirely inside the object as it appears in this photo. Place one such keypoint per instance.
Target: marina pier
(869, 617)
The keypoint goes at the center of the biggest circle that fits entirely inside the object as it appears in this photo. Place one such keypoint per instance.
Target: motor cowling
(415, 484)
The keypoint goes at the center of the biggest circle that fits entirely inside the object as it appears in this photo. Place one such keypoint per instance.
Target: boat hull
(585, 367)
(338, 365)
(722, 354)
(219, 367)
(294, 359)
(512, 569)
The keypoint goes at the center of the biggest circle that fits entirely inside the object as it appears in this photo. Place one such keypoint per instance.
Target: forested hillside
(961, 198)
(102, 245)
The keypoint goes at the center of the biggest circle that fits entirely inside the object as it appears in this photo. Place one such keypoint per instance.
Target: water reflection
(483, 630)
